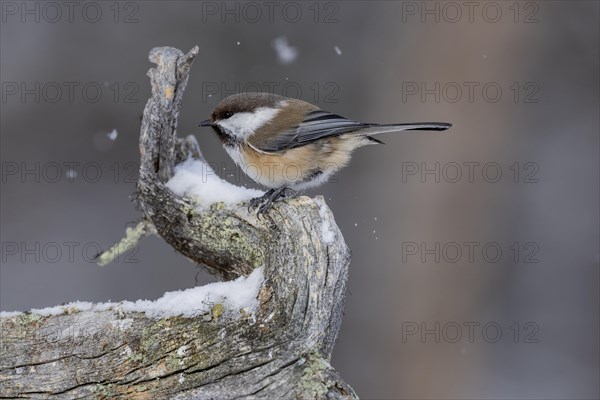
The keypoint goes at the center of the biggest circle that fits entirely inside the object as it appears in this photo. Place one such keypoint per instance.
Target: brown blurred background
(520, 82)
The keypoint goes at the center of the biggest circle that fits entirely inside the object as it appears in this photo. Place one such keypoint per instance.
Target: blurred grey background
(422, 320)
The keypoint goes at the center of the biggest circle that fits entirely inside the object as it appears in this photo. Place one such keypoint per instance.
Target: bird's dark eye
(227, 114)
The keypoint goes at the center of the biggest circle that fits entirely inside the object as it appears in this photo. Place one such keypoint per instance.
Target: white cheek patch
(243, 124)
(236, 155)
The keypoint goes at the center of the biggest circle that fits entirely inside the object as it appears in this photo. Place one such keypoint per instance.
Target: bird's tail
(374, 129)
(417, 126)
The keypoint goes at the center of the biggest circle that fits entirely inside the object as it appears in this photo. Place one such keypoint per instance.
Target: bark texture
(280, 351)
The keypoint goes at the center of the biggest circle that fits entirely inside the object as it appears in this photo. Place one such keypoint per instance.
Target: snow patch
(9, 314)
(327, 233)
(337, 50)
(122, 324)
(112, 135)
(286, 54)
(66, 308)
(196, 179)
(181, 352)
(234, 295)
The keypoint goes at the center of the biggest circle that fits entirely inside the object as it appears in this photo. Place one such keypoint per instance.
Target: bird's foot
(265, 202)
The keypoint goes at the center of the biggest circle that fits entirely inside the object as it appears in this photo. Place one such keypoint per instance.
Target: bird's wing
(317, 124)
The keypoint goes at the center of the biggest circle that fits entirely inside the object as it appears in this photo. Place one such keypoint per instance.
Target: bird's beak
(206, 123)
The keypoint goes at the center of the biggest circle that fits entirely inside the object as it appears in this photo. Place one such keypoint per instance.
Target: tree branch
(281, 350)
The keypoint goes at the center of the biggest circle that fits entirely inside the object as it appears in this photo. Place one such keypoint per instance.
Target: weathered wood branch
(280, 351)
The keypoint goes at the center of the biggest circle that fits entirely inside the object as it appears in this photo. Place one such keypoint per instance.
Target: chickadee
(288, 144)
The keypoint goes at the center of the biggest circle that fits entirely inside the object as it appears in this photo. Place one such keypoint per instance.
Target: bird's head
(241, 115)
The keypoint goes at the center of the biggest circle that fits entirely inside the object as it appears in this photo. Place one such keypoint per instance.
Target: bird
(289, 145)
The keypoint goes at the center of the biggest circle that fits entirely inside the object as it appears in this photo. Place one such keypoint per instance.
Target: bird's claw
(255, 202)
(265, 202)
